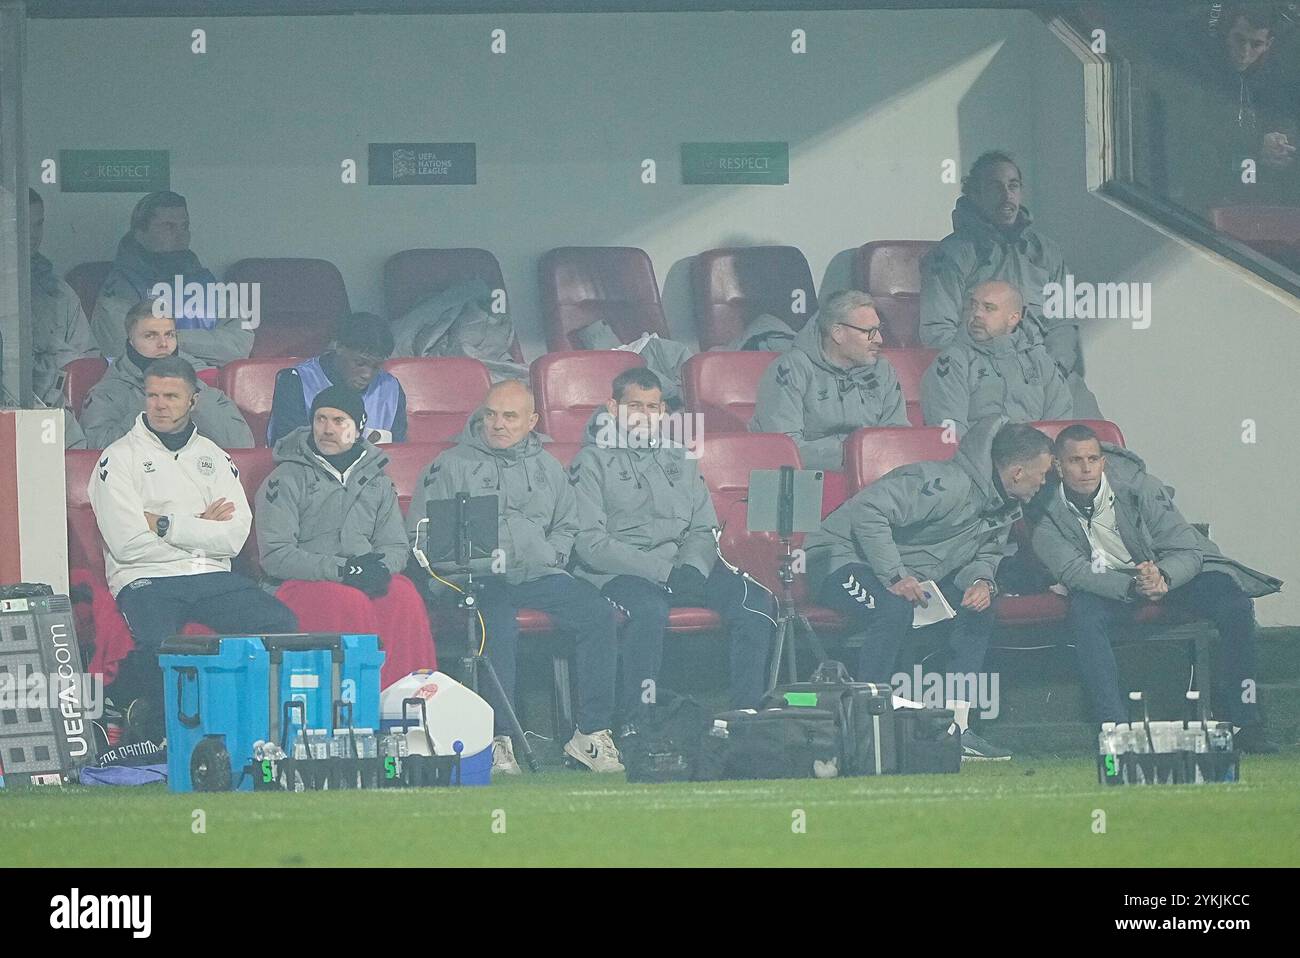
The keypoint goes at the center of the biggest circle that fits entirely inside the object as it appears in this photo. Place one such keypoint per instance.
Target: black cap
(341, 397)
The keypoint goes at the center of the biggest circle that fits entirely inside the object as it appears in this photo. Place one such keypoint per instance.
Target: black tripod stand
(776, 497)
(481, 512)
(789, 623)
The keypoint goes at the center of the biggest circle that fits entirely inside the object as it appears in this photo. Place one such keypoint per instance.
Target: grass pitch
(1035, 812)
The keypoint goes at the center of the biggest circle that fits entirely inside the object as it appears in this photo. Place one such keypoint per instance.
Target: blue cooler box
(218, 698)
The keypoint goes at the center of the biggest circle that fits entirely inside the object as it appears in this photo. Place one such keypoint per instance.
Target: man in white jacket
(172, 514)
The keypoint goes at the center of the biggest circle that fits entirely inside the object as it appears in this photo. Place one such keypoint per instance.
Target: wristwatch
(993, 587)
(162, 524)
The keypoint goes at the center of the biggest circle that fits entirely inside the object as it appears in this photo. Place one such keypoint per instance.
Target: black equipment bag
(771, 743)
(667, 743)
(863, 711)
(928, 741)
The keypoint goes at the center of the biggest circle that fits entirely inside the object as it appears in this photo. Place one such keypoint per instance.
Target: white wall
(1222, 348)
(257, 128)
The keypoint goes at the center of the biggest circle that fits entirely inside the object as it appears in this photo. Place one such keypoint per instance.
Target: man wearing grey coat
(498, 454)
(1110, 533)
(994, 237)
(947, 522)
(647, 542)
(831, 382)
(115, 402)
(995, 373)
(331, 539)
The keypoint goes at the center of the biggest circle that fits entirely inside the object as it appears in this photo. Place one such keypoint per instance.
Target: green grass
(1025, 812)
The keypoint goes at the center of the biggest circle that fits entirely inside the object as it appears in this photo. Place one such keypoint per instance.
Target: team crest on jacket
(147, 466)
(206, 466)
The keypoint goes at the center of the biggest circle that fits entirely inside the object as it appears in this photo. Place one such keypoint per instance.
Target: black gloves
(686, 583)
(367, 573)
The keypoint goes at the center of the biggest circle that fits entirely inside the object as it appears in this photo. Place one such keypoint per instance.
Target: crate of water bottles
(347, 757)
(1190, 751)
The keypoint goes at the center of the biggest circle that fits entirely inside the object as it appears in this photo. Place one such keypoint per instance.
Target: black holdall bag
(667, 744)
(863, 710)
(771, 743)
(928, 741)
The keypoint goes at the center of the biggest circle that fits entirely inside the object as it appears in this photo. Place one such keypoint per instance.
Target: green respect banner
(760, 164)
(114, 171)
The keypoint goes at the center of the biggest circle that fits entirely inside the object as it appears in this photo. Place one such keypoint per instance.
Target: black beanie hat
(341, 397)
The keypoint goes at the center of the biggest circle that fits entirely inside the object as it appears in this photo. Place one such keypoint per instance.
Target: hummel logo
(858, 592)
(354, 570)
(593, 750)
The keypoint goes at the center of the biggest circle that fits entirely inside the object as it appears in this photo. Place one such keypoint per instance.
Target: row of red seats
(441, 392)
(726, 462)
(302, 299)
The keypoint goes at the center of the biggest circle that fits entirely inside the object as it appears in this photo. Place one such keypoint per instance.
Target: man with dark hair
(647, 543)
(355, 359)
(942, 521)
(156, 249)
(331, 536)
(172, 514)
(60, 333)
(499, 455)
(832, 381)
(994, 237)
(992, 372)
(115, 402)
(1112, 535)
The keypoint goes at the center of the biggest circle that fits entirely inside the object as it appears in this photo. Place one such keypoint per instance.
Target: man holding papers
(928, 523)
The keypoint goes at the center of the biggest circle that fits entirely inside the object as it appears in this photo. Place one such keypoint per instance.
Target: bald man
(991, 372)
(498, 454)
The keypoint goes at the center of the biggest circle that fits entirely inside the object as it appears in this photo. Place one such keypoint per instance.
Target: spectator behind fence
(498, 454)
(116, 401)
(172, 514)
(60, 332)
(156, 249)
(991, 371)
(647, 542)
(994, 237)
(331, 537)
(355, 359)
(831, 382)
(943, 521)
(1110, 533)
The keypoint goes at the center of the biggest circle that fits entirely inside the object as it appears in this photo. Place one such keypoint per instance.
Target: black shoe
(978, 749)
(1253, 739)
(626, 731)
(143, 720)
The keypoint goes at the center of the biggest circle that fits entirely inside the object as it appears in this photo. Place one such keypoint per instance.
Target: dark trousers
(855, 592)
(1211, 595)
(749, 633)
(576, 607)
(157, 609)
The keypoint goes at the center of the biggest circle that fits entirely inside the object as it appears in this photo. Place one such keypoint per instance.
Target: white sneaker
(503, 756)
(595, 751)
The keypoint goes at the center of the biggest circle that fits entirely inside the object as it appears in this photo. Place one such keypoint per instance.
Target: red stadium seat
(250, 384)
(210, 376)
(910, 364)
(441, 394)
(568, 386)
(1106, 431)
(79, 377)
(254, 466)
(416, 274)
(302, 302)
(581, 285)
(731, 287)
(86, 280)
(872, 452)
(563, 451)
(405, 463)
(890, 270)
(723, 387)
(85, 548)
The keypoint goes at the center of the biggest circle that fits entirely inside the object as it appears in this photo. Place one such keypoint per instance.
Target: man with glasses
(356, 360)
(831, 382)
(993, 372)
